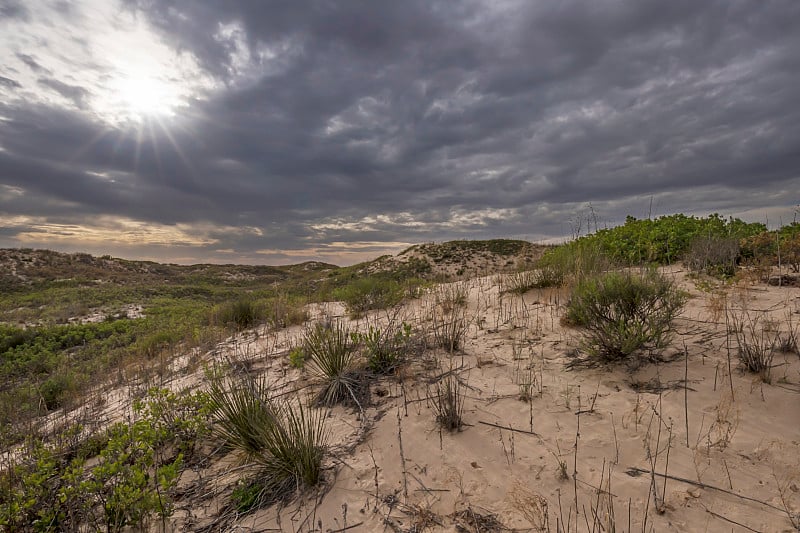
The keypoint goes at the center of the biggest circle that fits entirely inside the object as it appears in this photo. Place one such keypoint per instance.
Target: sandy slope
(392, 468)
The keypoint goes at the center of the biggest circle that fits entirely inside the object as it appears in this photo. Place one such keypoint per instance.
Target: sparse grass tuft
(756, 341)
(448, 403)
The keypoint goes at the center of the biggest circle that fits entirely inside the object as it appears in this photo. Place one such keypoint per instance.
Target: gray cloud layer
(409, 121)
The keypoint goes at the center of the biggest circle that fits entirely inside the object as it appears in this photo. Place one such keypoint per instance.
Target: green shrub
(114, 481)
(331, 357)
(368, 293)
(385, 347)
(297, 357)
(56, 389)
(623, 312)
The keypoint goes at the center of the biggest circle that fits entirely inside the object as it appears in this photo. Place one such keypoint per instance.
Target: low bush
(239, 314)
(715, 256)
(118, 480)
(624, 312)
(368, 293)
(385, 347)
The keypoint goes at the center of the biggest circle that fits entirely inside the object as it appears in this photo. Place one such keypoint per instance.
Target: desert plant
(519, 282)
(449, 329)
(331, 357)
(283, 311)
(624, 312)
(284, 439)
(242, 410)
(713, 255)
(451, 296)
(564, 264)
(756, 342)
(297, 357)
(386, 346)
(448, 403)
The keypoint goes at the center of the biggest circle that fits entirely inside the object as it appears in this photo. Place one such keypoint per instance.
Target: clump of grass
(281, 437)
(449, 330)
(756, 342)
(283, 311)
(448, 403)
(520, 282)
(239, 314)
(331, 356)
(563, 265)
(623, 313)
(448, 316)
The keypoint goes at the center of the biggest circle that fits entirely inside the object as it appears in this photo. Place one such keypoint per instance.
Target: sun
(145, 96)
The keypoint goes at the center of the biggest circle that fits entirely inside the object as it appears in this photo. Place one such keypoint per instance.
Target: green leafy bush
(368, 293)
(623, 313)
(385, 347)
(117, 480)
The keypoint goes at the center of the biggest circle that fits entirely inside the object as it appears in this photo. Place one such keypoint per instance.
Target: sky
(276, 132)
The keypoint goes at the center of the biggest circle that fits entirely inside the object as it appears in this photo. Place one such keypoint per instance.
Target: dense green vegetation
(123, 477)
(662, 240)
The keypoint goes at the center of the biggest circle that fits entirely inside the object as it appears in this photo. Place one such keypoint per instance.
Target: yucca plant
(331, 356)
(283, 438)
(242, 409)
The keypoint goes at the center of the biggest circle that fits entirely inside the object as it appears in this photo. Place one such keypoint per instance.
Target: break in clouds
(276, 132)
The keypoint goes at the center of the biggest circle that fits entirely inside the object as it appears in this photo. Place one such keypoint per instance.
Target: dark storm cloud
(376, 121)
